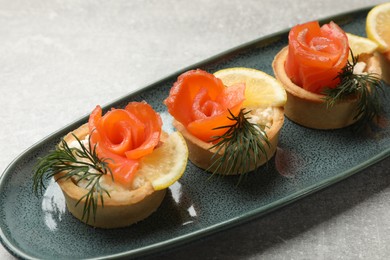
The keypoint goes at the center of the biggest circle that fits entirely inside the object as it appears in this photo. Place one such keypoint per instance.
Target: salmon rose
(125, 136)
(201, 102)
(316, 55)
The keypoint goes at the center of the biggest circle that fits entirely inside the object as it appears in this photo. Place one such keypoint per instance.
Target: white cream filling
(359, 68)
(262, 116)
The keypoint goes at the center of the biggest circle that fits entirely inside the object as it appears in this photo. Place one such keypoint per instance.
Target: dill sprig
(241, 145)
(81, 163)
(365, 87)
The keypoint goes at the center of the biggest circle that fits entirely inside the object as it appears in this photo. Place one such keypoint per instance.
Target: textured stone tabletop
(60, 58)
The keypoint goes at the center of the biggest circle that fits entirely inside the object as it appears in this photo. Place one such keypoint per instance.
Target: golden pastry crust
(200, 153)
(310, 109)
(122, 208)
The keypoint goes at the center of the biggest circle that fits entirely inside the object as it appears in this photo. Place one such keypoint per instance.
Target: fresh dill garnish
(240, 146)
(81, 163)
(365, 87)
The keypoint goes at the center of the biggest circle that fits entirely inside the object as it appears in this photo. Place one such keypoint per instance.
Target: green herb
(81, 163)
(365, 87)
(241, 145)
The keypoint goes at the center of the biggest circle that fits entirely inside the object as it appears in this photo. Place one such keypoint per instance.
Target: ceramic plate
(306, 161)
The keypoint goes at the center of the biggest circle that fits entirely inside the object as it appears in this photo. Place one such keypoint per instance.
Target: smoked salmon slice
(202, 103)
(316, 55)
(124, 136)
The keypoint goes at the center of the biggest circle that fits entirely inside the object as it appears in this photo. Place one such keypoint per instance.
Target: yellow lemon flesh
(261, 89)
(167, 163)
(378, 26)
(361, 45)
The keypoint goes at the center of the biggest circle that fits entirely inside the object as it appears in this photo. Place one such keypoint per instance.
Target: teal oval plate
(306, 161)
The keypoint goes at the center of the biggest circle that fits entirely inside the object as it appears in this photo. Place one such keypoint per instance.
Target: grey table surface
(60, 58)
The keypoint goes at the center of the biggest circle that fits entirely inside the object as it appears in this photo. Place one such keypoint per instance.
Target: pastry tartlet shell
(200, 152)
(310, 109)
(121, 209)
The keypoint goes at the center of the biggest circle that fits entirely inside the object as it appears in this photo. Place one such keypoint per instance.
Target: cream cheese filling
(262, 116)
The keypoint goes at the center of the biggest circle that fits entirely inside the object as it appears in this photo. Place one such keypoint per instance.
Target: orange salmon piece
(124, 136)
(201, 103)
(316, 55)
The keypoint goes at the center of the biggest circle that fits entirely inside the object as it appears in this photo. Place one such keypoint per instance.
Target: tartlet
(310, 109)
(307, 105)
(122, 208)
(204, 111)
(115, 169)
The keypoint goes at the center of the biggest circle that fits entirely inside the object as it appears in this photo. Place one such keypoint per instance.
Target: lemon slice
(361, 45)
(261, 89)
(167, 163)
(378, 26)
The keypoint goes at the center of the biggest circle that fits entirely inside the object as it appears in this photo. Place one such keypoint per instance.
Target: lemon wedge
(378, 26)
(167, 163)
(361, 45)
(261, 89)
